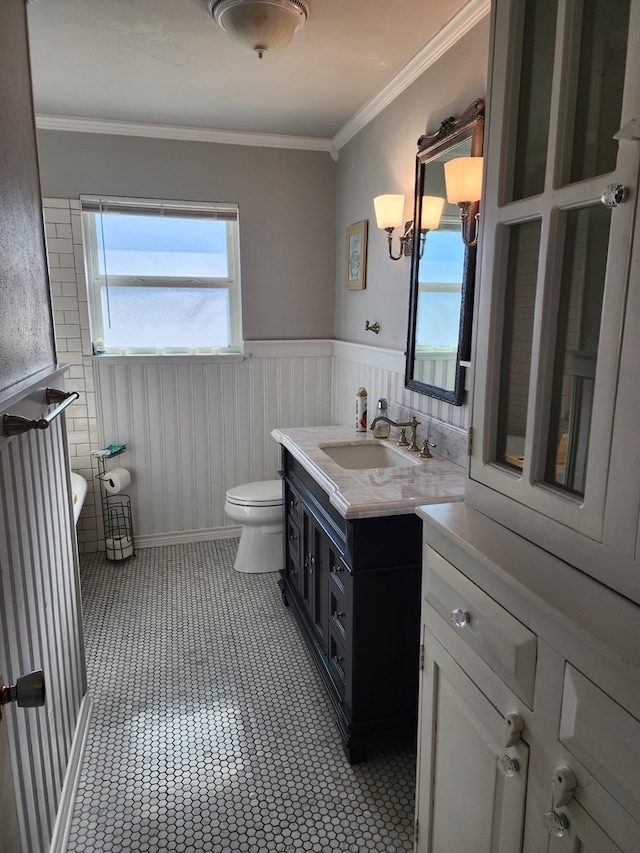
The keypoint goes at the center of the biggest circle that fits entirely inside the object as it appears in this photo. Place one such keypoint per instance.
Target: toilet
(258, 508)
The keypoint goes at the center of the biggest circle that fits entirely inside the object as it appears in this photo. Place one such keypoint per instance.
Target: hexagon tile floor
(211, 730)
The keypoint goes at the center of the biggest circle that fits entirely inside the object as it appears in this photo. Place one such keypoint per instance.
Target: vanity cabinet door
(555, 271)
(471, 789)
(316, 560)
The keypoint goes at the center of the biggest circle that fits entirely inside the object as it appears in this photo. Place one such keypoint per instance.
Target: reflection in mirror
(442, 267)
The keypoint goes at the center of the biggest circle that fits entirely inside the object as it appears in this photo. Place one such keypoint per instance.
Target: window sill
(182, 358)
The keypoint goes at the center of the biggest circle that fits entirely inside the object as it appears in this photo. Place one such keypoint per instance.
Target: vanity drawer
(293, 504)
(339, 614)
(337, 660)
(503, 643)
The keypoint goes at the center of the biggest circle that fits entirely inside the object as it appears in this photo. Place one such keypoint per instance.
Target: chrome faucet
(402, 441)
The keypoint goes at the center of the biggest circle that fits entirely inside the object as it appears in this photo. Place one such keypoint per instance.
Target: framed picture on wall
(356, 262)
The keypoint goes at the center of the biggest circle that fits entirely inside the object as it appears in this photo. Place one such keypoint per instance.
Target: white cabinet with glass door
(556, 399)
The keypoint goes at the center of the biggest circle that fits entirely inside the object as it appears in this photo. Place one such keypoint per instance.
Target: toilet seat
(261, 493)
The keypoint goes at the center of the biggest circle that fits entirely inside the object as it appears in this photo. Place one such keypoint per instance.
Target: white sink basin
(370, 454)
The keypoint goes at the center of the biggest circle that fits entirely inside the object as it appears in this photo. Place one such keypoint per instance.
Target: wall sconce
(463, 178)
(389, 216)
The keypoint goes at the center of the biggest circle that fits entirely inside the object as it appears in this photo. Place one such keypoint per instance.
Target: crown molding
(188, 134)
(453, 31)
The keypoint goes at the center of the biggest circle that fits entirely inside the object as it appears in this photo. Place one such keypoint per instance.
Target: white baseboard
(69, 792)
(181, 537)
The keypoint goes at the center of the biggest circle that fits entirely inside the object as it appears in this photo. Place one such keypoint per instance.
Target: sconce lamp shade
(389, 210)
(431, 212)
(463, 178)
(262, 26)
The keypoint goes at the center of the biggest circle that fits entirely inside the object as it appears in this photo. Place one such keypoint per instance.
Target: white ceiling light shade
(262, 26)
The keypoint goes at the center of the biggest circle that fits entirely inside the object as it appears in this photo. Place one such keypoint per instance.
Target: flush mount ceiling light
(262, 26)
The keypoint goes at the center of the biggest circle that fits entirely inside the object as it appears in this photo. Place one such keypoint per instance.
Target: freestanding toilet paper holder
(116, 509)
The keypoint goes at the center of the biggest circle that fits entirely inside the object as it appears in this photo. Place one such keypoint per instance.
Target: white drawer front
(603, 737)
(493, 633)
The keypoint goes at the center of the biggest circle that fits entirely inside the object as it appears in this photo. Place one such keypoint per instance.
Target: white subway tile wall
(71, 318)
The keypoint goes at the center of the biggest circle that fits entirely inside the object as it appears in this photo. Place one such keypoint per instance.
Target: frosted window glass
(165, 317)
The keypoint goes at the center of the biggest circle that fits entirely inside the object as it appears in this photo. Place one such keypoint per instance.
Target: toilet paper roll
(119, 548)
(117, 480)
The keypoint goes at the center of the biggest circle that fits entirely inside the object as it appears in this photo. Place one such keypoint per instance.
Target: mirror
(442, 266)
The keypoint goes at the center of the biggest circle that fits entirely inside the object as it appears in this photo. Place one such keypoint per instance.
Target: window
(162, 277)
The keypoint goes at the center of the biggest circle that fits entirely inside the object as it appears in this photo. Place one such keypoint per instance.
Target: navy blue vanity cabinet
(354, 589)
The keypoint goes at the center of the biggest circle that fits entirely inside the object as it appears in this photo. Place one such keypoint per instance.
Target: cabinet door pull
(337, 658)
(293, 503)
(564, 786)
(556, 823)
(338, 615)
(335, 570)
(460, 618)
(513, 728)
(508, 766)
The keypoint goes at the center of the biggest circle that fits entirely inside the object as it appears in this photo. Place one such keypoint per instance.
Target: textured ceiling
(167, 62)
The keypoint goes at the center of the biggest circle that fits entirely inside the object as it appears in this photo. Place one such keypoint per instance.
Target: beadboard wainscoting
(41, 622)
(381, 372)
(196, 426)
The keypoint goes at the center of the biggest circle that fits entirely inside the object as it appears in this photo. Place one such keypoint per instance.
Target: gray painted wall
(287, 212)
(380, 160)
(26, 328)
(295, 206)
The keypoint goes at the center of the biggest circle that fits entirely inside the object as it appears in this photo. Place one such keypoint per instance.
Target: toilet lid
(261, 493)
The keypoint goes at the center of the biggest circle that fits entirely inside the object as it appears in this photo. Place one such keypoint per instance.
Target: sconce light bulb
(389, 211)
(463, 179)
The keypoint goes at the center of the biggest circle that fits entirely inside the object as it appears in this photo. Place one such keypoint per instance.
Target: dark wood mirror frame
(452, 132)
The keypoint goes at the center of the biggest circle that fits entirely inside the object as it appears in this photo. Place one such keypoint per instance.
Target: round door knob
(614, 195)
(460, 618)
(28, 691)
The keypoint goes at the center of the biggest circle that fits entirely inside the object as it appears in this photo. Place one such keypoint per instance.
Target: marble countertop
(371, 492)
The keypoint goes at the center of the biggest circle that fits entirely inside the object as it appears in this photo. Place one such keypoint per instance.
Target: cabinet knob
(338, 615)
(556, 823)
(614, 195)
(460, 618)
(293, 503)
(508, 766)
(336, 570)
(337, 658)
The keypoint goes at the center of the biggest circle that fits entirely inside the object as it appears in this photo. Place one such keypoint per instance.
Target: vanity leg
(283, 591)
(356, 752)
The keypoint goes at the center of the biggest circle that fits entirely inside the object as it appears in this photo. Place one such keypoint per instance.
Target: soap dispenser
(382, 429)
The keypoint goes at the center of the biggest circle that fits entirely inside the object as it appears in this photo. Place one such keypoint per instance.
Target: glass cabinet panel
(536, 37)
(594, 117)
(586, 242)
(517, 341)
(555, 268)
